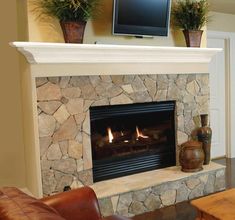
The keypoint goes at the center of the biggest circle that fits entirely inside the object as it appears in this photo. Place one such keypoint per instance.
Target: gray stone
(128, 79)
(101, 102)
(65, 165)
(80, 165)
(204, 178)
(86, 177)
(181, 137)
(64, 180)
(161, 95)
(121, 99)
(141, 195)
(182, 193)
(180, 120)
(192, 182)
(45, 164)
(106, 207)
(95, 80)
(152, 202)
(41, 81)
(48, 91)
(138, 85)
(79, 118)
(61, 115)
(49, 182)
(173, 92)
(49, 107)
(44, 143)
(46, 125)
(168, 197)
(75, 106)
(137, 207)
(114, 200)
(220, 180)
(71, 93)
(197, 191)
(67, 130)
(64, 81)
(75, 149)
(87, 105)
(210, 185)
(86, 142)
(53, 152)
(106, 78)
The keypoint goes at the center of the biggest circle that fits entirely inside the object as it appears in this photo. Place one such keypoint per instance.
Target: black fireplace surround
(132, 138)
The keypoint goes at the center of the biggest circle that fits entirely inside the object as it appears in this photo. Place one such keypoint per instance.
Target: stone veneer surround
(63, 116)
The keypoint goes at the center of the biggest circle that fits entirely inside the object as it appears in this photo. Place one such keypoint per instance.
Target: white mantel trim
(61, 53)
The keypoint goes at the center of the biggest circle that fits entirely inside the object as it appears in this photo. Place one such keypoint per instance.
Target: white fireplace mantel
(118, 59)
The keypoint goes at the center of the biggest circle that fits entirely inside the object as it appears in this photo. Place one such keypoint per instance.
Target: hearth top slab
(147, 179)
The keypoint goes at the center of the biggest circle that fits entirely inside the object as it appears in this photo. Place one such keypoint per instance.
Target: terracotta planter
(191, 156)
(193, 38)
(73, 31)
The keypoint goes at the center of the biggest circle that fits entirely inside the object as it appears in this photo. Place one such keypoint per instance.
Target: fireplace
(132, 138)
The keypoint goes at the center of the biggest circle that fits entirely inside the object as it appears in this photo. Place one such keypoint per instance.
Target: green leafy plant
(190, 14)
(67, 10)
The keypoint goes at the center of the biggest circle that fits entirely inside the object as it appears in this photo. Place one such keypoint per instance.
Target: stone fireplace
(65, 83)
(65, 104)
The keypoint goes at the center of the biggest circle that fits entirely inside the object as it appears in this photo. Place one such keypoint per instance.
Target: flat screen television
(141, 17)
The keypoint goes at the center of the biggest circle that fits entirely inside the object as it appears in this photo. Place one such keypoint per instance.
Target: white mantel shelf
(41, 53)
(93, 59)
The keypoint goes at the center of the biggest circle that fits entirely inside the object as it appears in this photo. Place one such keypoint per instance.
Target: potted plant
(191, 16)
(72, 15)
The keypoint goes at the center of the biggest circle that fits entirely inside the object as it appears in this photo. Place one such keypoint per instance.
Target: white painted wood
(230, 88)
(217, 99)
(44, 53)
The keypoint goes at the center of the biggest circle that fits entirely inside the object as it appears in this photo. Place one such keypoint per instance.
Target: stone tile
(121, 99)
(54, 152)
(193, 88)
(151, 86)
(106, 207)
(48, 91)
(46, 125)
(152, 202)
(86, 124)
(139, 97)
(86, 151)
(87, 105)
(64, 81)
(182, 137)
(61, 115)
(54, 79)
(68, 166)
(114, 200)
(101, 102)
(160, 95)
(137, 207)
(197, 191)
(71, 93)
(138, 85)
(128, 88)
(117, 79)
(64, 147)
(80, 165)
(44, 143)
(168, 197)
(192, 183)
(64, 180)
(86, 177)
(75, 149)
(210, 185)
(75, 106)
(182, 193)
(49, 182)
(79, 118)
(67, 131)
(49, 107)
(141, 195)
(41, 81)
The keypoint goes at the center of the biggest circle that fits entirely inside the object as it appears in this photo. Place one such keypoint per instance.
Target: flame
(110, 135)
(139, 134)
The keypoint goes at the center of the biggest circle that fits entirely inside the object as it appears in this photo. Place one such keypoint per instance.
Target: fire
(110, 135)
(139, 134)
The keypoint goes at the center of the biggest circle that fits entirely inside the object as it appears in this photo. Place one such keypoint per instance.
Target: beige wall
(12, 160)
(221, 22)
(98, 30)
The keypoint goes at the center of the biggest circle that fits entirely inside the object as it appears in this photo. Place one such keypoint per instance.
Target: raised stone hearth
(64, 124)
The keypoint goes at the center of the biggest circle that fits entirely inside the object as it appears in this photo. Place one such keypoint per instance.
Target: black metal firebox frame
(108, 168)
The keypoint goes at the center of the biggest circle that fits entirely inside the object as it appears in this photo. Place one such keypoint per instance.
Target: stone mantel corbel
(93, 59)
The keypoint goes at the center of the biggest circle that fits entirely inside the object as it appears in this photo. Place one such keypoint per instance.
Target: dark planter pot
(73, 31)
(204, 135)
(193, 38)
(191, 156)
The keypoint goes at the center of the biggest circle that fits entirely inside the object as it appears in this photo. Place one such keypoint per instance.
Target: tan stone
(138, 85)
(180, 123)
(121, 99)
(87, 105)
(117, 79)
(75, 149)
(161, 95)
(128, 88)
(86, 124)
(182, 137)
(80, 119)
(65, 165)
(75, 106)
(49, 107)
(64, 147)
(64, 81)
(71, 93)
(193, 88)
(53, 152)
(67, 131)
(101, 102)
(48, 91)
(106, 78)
(46, 125)
(79, 165)
(151, 86)
(86, 151)
(114, 200)
(44, 144)
(192, 183)
(61, 115)
(168, 197)
(40, 81)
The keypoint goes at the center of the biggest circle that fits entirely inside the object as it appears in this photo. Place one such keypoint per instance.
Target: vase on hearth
(204, 135)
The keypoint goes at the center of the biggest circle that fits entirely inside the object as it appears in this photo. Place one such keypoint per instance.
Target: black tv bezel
(142, 31)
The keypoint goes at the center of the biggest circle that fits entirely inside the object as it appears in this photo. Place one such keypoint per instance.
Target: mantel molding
(170, 59)
(42, 53)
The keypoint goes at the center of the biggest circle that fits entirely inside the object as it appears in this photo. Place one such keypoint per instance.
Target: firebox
(132, 138)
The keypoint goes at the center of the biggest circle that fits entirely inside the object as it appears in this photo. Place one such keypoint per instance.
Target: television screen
(141, 17)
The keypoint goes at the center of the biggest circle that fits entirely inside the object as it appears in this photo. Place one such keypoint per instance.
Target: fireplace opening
(132, 138)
